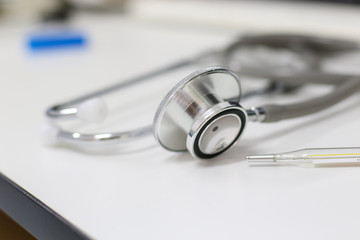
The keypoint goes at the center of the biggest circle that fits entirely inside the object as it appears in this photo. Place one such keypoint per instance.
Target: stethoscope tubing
(344, 86)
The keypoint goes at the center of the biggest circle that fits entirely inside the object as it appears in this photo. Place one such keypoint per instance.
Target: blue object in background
(56, 39)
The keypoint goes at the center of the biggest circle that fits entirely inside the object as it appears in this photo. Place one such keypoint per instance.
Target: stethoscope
(202, 114)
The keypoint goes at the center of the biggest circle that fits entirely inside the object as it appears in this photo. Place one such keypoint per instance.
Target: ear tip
(93, 110)
(49, 133)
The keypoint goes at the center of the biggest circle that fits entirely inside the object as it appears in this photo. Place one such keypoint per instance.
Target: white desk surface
(141, 191)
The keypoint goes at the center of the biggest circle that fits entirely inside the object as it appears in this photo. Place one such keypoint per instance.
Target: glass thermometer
(310, 157)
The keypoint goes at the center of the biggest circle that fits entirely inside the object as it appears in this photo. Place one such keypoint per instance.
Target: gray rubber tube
(276, 112)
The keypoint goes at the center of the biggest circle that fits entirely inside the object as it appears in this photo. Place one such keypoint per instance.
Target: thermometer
(310, 157)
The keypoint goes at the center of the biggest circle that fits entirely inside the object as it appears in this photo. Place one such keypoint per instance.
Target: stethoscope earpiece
(201, 114)
(92, 111)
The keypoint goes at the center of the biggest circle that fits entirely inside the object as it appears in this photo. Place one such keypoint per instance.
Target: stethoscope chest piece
(201, 114)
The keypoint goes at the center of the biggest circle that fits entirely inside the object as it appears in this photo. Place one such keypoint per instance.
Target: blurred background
(55, 50)
(201, 10)
(52, 51)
